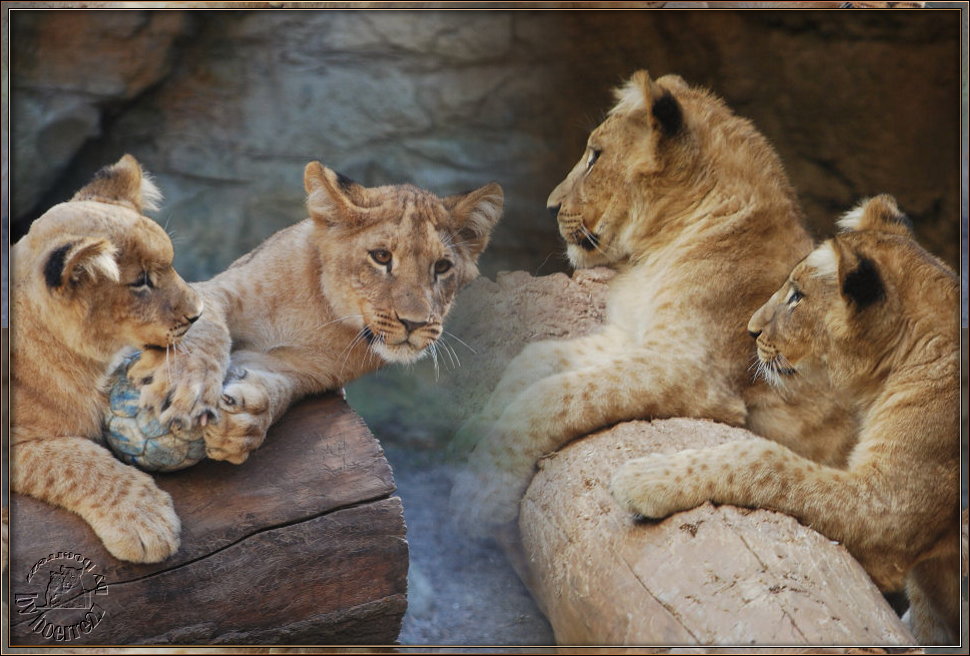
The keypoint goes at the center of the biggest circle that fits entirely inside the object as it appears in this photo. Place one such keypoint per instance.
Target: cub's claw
(184, 392)
(242, 425)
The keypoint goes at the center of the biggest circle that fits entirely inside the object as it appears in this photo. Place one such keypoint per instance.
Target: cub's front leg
(134, 519)
(183, 384)
(853, 507)
(660, 485)
(257, 392)
(537, 361)
(557, 409)
(540, 360)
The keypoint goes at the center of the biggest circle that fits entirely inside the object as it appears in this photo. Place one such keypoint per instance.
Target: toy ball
(136, 436)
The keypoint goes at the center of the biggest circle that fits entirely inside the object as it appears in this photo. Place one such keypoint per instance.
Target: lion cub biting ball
(880, 316)
(92, 277)
(692, 207)
(367, 279)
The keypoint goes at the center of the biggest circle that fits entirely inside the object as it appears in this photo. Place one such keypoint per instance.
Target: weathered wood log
(302, 544)
(708, 576)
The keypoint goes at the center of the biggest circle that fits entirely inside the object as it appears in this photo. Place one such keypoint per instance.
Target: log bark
(708, 576)
(302, 544)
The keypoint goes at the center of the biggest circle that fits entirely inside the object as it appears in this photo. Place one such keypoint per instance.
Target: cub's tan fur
(93, 276)
(880, 316)
(367, 279)
(693, 208)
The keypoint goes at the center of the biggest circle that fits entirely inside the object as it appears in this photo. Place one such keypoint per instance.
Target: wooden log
(711, 576)
(708, 576)
(302, 544)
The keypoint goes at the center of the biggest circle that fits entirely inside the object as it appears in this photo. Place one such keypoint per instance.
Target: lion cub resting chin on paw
(92, 277)
(880, 316)
(367, 279)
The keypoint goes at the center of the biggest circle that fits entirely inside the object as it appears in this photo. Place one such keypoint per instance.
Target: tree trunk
(302, 544)
(708, 576)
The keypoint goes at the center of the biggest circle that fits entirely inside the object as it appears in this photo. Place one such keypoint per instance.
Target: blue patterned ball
(136, 437)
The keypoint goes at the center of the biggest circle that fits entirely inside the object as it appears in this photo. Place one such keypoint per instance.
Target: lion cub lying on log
(692, 207)
(93, 276)
(367, 279)
(880, 316)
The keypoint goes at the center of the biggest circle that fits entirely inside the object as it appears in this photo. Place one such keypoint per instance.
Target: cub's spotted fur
(880, 316)
(92, 276)
(691, 205)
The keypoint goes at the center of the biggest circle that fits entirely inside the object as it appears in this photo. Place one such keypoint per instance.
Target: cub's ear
(85, 257)
(654, 96)
(878, 213)
(474, 214)
(332, 197)
(123, 183)
(860, 282)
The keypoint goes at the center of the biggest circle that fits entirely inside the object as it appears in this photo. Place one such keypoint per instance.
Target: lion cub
(692, 207)
(368, 278)
(879, 315)
(92, 277)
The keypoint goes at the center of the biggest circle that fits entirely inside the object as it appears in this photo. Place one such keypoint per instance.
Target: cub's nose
(193, 319)
(554, 210)
(754, 333)
(411, 326)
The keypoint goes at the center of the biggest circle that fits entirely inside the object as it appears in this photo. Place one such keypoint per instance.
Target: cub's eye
(143, 280)
(442, 267)
(794, 297)
(382, 257)
(594, 154)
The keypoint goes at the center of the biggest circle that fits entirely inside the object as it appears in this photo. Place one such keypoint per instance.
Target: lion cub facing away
(367, 279)
(879, 315)
(93, 276)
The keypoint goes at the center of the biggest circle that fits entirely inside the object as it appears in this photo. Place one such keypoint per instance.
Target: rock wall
(225, 108)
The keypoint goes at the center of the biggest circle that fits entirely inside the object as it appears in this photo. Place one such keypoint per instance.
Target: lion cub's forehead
(150, 245)
(613, 124)
(411, 217)
(400, 201)
(820, 263)
(143, 244)
(136, 236)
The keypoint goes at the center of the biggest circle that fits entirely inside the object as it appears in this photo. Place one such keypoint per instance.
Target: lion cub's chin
(404, 353)
(580, 258)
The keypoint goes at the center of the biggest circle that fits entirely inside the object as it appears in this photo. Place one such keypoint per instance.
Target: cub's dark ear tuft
(668, 114)
(83, 258)
(862, 285)
(54, 266)
(642, 92)
(333, 198)
(346, 184)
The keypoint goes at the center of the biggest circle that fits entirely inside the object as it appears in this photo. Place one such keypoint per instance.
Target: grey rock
(451, 100)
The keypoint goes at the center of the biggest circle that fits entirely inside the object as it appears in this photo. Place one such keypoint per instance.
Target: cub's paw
(244, 420)
(182, 389)
(143, 528)
(657, 486)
